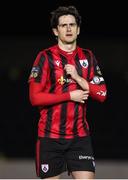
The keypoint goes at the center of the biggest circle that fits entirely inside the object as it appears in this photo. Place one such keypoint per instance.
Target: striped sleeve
(96, 82)
(37, 83)
(40, 98)
(40, 69)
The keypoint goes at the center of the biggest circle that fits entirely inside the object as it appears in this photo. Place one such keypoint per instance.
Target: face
(67, 29)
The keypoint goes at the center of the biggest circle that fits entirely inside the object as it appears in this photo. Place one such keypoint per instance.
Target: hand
(79, 95)
(70, 69)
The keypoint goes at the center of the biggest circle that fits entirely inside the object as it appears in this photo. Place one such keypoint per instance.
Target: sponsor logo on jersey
(62, 80)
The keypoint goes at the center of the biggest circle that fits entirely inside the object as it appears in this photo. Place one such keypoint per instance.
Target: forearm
(82, 83)
(45, 99)
(42, 98)
(98, 92)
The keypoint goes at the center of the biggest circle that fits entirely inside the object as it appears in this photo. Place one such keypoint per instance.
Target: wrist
(78, 79)
(83, 82)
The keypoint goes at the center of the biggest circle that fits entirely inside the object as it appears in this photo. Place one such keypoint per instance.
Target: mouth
(68, 35)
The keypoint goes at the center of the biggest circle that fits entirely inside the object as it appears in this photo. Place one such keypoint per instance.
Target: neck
(67, 47)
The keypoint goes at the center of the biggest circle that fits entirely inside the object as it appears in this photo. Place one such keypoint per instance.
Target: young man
(62, 78)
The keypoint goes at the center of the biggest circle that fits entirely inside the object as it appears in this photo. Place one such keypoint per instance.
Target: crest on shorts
(84, 63)
(45, 167)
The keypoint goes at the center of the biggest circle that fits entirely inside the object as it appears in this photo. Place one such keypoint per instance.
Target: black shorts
(54, 156)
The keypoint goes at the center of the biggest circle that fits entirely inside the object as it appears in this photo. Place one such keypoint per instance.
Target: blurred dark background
(24, 31)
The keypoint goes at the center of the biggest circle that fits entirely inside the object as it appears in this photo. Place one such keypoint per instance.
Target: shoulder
(87, 51)
(40, 57)
(84, 50)
(51, 49)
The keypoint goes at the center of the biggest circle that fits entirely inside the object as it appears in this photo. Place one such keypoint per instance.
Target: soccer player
(62, 78)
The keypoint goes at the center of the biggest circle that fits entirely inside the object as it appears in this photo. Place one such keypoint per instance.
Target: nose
(68, 27)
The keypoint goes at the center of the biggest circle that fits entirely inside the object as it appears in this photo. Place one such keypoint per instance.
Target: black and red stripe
(65, 119)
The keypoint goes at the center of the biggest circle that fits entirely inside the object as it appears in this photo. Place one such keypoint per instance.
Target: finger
(69, 66)
(82, 101)
(85, 95)
(68, 69)
(65, 67)
(86, 92)
(68, 72)
(84, 98)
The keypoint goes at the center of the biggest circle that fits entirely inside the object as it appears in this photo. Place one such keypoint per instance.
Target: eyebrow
(65, 24)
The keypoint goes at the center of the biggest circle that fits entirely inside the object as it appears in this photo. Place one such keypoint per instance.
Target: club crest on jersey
(35, 72)
(45, 167)
(84, 63)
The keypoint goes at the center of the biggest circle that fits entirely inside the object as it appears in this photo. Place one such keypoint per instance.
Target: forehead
(67, 19)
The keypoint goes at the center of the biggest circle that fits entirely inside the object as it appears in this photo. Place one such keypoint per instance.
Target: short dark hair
(63, 10)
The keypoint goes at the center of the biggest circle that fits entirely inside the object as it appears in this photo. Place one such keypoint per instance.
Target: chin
(70, 42)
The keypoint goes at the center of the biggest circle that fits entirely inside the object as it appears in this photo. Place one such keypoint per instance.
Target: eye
(72, 24)
(67, 25)
(64, 25)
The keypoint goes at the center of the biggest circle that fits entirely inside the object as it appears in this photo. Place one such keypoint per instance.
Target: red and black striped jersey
(50, 86)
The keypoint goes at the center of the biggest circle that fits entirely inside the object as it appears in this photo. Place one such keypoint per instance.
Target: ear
(78, 30)
(55, 31)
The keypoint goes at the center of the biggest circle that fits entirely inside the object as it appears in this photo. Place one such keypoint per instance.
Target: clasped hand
(71, 70)
(76, 95)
